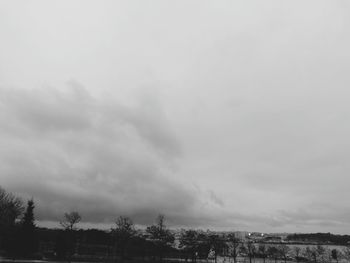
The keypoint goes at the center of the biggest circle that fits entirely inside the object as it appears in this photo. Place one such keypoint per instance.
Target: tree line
(21, 238)
(341, 240)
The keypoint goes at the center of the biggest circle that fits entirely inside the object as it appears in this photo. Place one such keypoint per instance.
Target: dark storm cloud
(70, 150)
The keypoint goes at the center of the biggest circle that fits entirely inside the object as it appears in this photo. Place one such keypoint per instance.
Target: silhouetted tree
(69, 224)
(315, 254)
(233, 245)
(335, 254)
(28, 220)
(273, 252)
(346, 253)
(297, 253)
(320, 253)
(70, 220)
(283, 251)
(203, 244)
(217, 244)
(28, 243)
(250, 250)
(262, 249)
(310, 254)
(11, 207)
(160, 235)
(123, 233)
(189, 242)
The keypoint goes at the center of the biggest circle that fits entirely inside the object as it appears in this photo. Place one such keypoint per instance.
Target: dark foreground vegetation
(323, 238)
(20, 239)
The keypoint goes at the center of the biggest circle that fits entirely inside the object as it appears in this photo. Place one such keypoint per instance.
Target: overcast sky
(219, 114)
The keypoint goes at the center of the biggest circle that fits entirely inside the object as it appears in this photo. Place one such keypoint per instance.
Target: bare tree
(315, 254)
(70, 220)
(122, 233)
(283, 251)
(69, 223)
(249, 249)
(273, 252)
(297, 253)
(160, 235)
(217, 244)
(11, 207)
(233, 246)
(263, 251)
(189, 242)
(346, 253)
(320, 253)
(310, 254)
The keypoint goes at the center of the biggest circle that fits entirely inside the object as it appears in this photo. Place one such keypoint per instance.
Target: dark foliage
(27, 236)
(160, 236)
(320, 238)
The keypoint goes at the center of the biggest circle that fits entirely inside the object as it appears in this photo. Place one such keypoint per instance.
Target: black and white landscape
(174, 130)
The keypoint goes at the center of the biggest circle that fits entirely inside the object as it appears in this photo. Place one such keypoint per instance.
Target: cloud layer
(71, 151)
(218, 114)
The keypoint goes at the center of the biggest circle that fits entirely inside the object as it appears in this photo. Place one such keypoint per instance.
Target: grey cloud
(150, 124)
(252, 104)
(69, 151)
(215, 198)
(47, 108)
